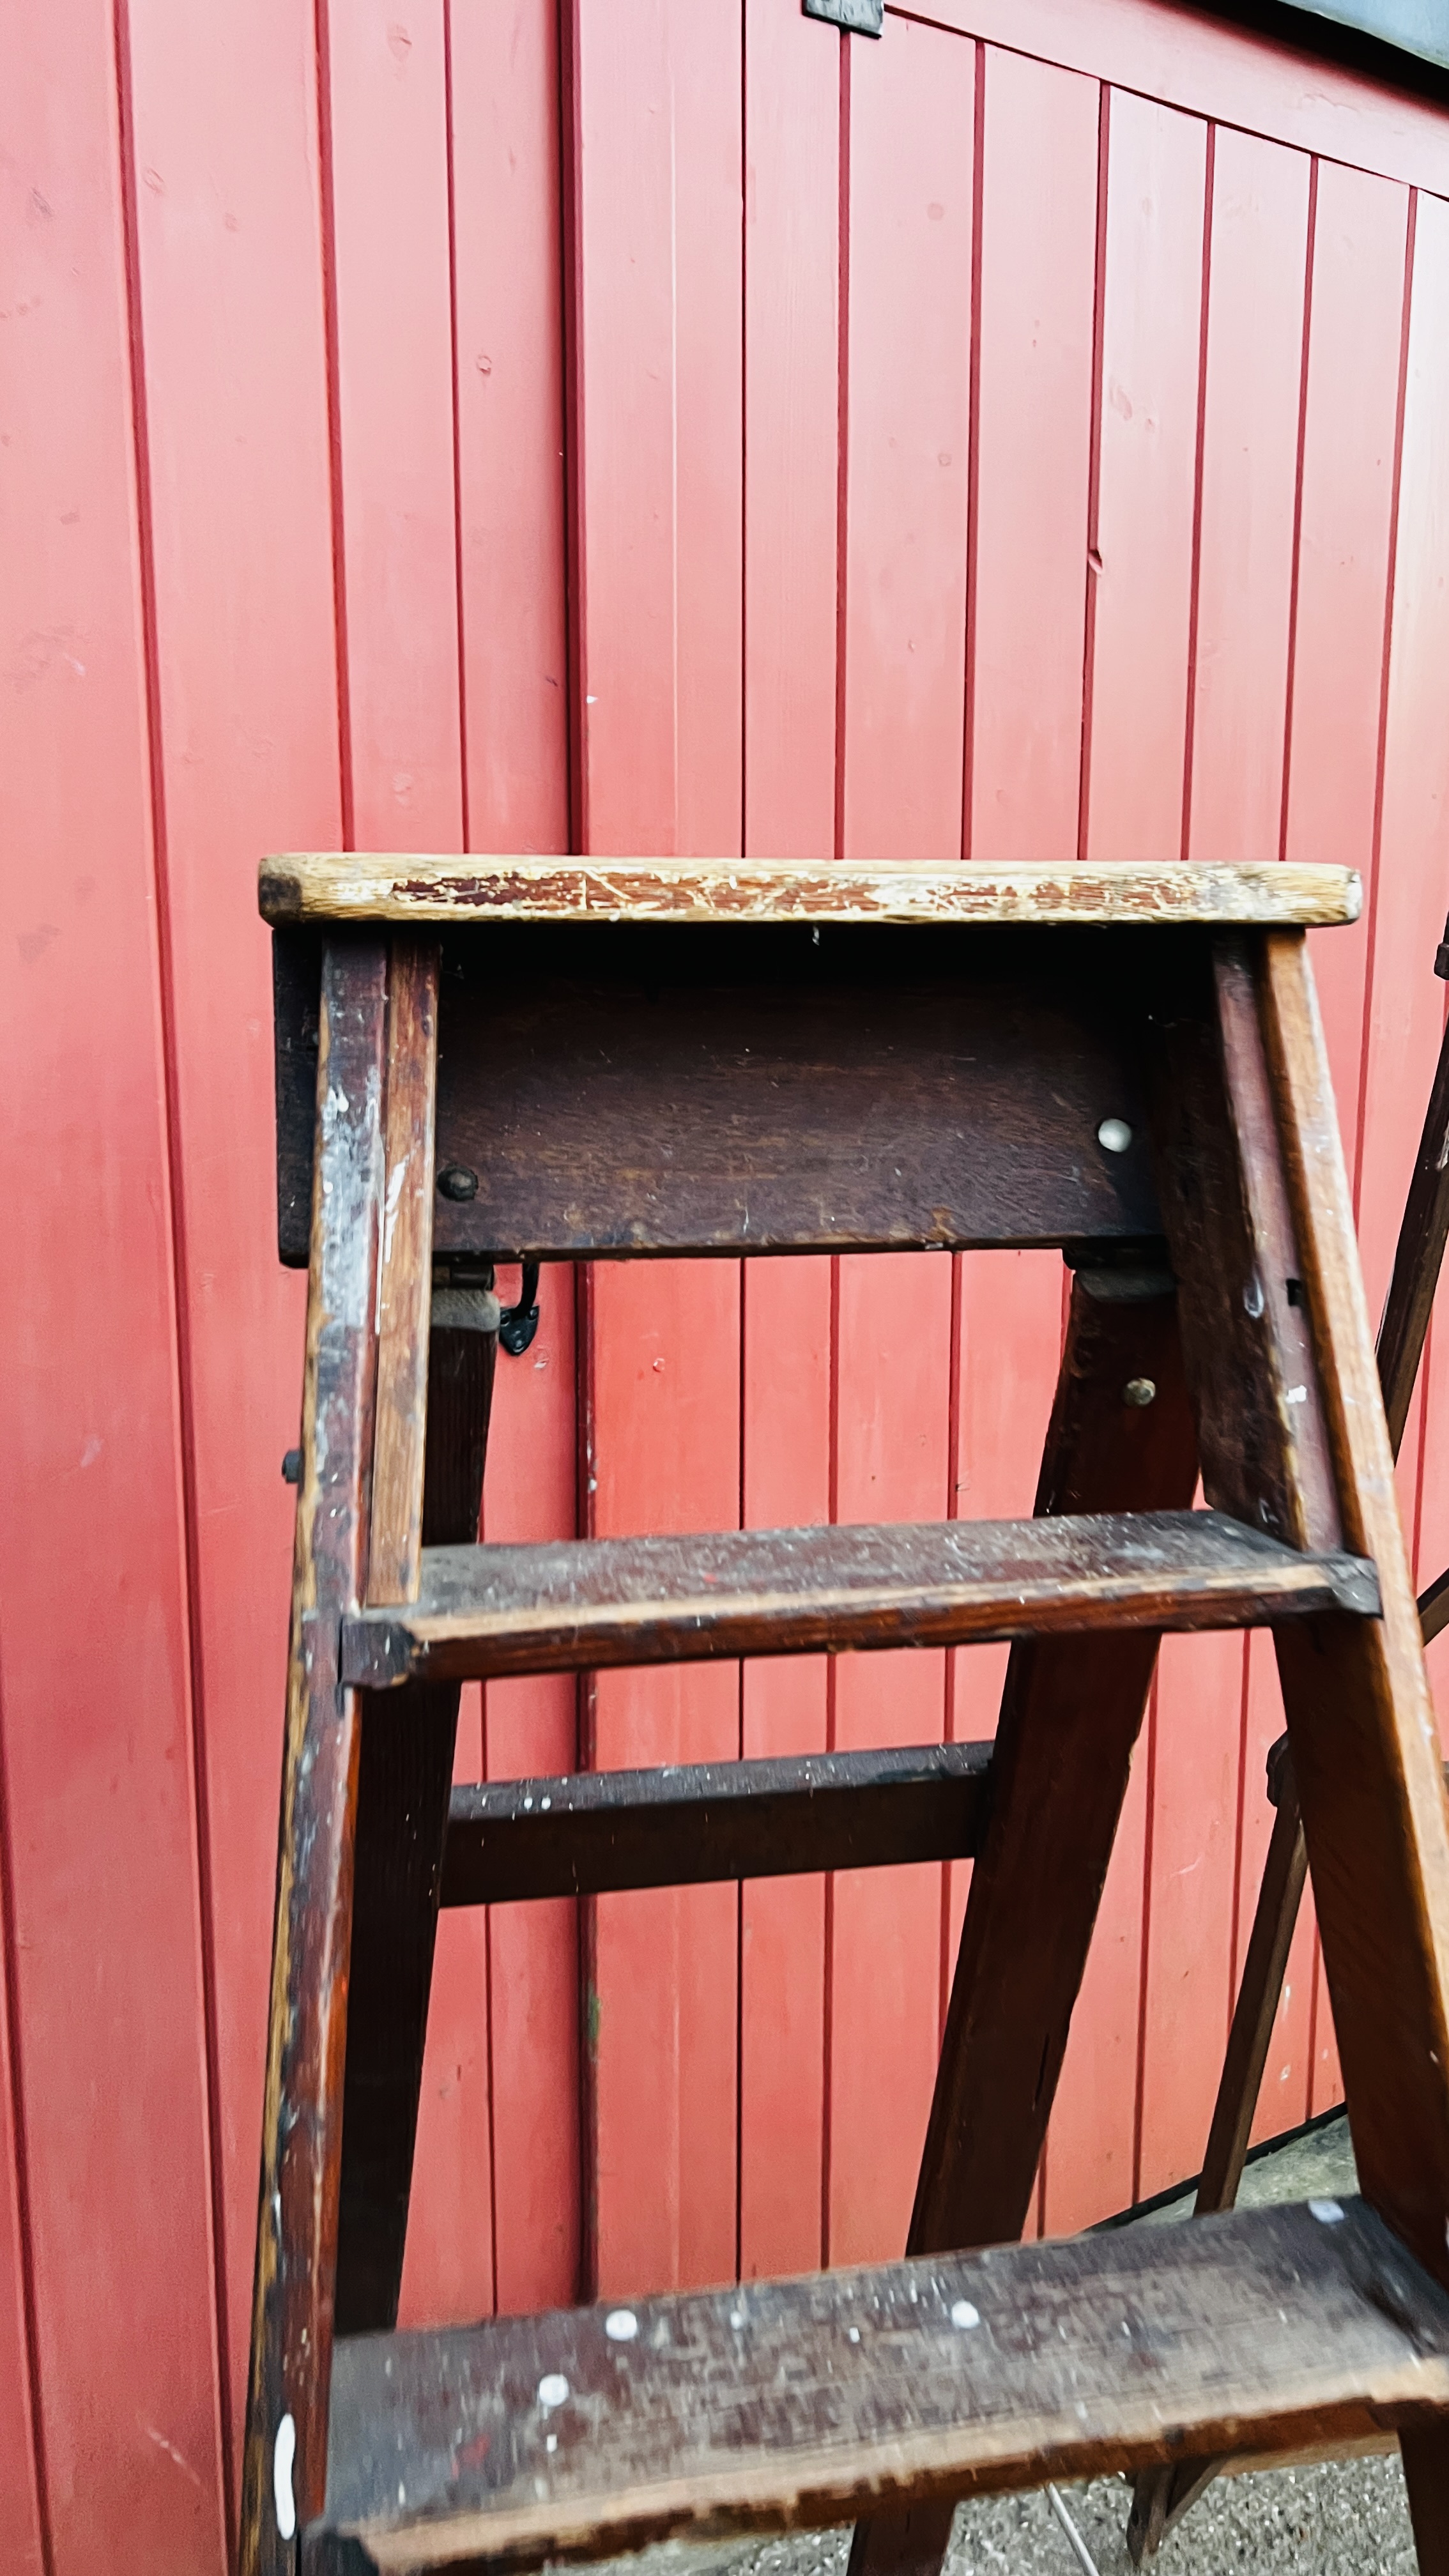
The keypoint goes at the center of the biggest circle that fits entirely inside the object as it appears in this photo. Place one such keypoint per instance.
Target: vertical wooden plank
(792, 253)
(1188, 1981)
(387, 137)
(909, 345)
(792, 400)
(1253, 366)
(508, 281)
(662, 2006)
(1139, 597)
(1340, 623)
(1038, 194)
(909, 202)
(1404, 1016)
(224, 121)
(105, 1973)
(1008, 1346)
(533, 1950)
(892, 1359)
(514, 2039)
(657, 227)
(786, 1483)
(1257, 256)
(387, 111)
(1405, 1011)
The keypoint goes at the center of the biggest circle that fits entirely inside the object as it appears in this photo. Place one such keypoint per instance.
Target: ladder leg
(405, 1781)
(1365, 1748)
(1070, 1715)
(286, 2438)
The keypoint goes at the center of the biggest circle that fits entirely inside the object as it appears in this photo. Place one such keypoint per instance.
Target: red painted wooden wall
(638, 426)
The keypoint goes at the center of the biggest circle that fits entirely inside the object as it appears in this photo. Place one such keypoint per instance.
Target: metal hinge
(857, 17)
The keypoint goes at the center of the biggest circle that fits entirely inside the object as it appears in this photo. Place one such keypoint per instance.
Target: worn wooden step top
(801, 2402)
(332, 885)
(576, 1604)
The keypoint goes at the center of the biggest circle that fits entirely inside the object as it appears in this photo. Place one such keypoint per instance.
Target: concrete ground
(1341, 2518)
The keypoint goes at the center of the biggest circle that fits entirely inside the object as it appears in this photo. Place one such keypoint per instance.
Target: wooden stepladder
(565, 1060)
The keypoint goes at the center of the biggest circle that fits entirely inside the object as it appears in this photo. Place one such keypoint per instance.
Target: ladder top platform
(347, 885)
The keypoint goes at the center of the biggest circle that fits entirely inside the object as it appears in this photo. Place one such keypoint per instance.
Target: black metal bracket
(518, 1324)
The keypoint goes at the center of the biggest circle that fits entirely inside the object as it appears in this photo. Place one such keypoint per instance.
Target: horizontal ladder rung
(803, 2402)
(576, 1604)
(599, 1831)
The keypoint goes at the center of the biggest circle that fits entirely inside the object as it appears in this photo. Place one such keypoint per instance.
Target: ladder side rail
(284, 2466)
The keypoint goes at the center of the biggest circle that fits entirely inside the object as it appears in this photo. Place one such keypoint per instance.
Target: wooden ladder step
(573, 1605)
(592, 1833)
(802, 2402)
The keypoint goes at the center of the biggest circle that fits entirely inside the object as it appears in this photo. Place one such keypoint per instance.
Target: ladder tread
(576, 1604)
(801, 2402)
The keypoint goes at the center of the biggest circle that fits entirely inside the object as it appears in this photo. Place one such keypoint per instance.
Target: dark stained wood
(402, 1824)
(1418, 1258)
(1434, 1608)
(349, 885)
(1361, 1721)
(598, 1831)
(571, 1605)
(405, 1271)
(787, 2404)
(1245, 1327)
(302, 2115)
(650, 1089)
(1070, 1715)
(296, 998)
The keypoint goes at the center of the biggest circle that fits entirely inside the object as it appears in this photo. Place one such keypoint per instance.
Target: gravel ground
(1342, 2518)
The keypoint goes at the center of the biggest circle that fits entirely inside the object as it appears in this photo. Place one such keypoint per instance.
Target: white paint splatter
(1327, 2212)
(621, 2325)
(963, 2314)
(283, 2454)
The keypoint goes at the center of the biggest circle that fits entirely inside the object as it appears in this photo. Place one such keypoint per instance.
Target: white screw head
(621, 2325)
(553, 2389)
(1114, 1135)
(1327, 2212)
(963, 2313)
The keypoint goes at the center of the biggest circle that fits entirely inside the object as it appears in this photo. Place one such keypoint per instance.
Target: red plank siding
(902, 515)
(104, 1974)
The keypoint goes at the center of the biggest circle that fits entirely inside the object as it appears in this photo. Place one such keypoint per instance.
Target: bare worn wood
(404, 1273)
(571, 1605)
(1070, 1715)
(1361, 1722)
(347, 885)
(595, 1832)
(788, 2404)
(642, 1090)
(302, 2116)
(405, 1779)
